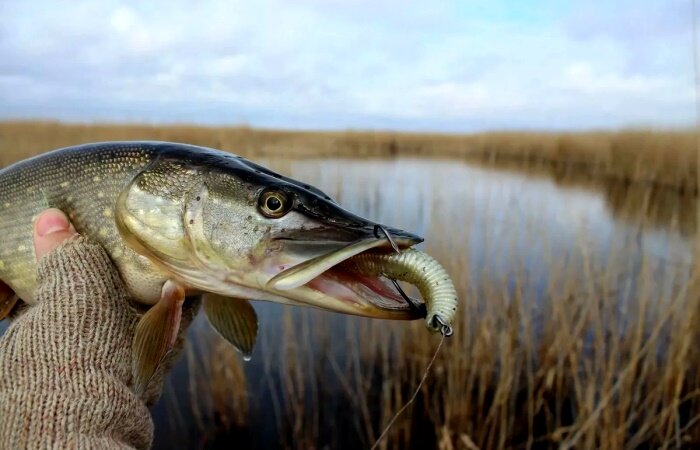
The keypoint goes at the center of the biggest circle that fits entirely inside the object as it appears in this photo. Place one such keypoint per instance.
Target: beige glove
(65, 364)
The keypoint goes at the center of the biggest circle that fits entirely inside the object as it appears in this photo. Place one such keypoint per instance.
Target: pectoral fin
(156, 333)
(8, 300)
(234, 319)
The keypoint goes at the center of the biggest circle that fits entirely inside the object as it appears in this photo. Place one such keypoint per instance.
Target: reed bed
(665, 158)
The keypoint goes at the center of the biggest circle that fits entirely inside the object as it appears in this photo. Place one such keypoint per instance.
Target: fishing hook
(381, 228)
(445, 329)
(420, 308)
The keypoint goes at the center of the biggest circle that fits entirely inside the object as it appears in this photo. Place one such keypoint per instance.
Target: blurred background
(546, 150)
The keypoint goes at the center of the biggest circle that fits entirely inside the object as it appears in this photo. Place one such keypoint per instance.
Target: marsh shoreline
(663, 159)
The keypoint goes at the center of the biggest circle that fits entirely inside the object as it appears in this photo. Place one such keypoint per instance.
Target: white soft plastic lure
(422, 271)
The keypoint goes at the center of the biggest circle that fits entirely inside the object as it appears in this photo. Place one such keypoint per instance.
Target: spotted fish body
(84, 182)
(141, 202)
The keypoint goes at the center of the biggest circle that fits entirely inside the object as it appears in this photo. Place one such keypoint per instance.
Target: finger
(51, 228)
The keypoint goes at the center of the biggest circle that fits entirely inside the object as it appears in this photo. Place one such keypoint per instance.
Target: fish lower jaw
(358, 294)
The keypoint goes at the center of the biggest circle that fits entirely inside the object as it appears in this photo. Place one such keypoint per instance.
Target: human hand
(65, 364)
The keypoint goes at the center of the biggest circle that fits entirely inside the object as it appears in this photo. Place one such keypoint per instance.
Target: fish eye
(274, 204)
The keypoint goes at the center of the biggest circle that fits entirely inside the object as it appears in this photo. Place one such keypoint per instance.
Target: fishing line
(445, 331)
(413, 397)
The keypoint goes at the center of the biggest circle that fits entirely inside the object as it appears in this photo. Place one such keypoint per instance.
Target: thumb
(51, 228)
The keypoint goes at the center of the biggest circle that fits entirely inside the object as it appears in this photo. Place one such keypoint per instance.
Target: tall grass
(601, 354)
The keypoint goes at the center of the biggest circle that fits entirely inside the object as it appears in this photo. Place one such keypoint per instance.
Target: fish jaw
(348, 292)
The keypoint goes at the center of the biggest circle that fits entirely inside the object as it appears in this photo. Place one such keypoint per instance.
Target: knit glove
(65, 364)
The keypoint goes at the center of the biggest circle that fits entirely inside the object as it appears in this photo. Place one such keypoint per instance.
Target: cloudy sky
(368, 64)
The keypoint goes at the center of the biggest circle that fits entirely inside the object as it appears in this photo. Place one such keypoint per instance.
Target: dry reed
(665, 158)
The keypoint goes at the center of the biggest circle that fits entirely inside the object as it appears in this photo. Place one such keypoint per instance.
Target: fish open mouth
(344, 282)
(340, 286)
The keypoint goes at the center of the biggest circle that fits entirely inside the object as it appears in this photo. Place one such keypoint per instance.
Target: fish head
(238, 229)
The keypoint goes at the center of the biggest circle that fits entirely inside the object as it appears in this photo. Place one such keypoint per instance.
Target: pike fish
(180, 220)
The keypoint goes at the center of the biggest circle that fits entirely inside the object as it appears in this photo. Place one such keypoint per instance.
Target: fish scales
(84, 182)
(178, 218)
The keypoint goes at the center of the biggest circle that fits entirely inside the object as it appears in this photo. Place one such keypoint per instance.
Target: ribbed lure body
(420, 270)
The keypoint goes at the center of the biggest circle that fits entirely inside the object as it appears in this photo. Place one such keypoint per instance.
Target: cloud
(629, 20)
(444, 65)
